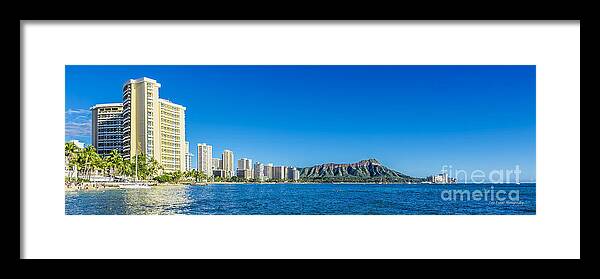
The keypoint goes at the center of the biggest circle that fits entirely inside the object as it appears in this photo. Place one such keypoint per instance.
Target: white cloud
(78, 122)
(77, 111)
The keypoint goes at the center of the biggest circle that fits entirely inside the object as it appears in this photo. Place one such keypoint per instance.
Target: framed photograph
(405, 138)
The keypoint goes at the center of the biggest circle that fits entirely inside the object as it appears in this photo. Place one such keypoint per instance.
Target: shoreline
(96, 186)
(90, 186)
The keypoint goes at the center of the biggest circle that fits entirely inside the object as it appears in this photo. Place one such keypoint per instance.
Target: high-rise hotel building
(217, 163)
(217, 167)
(279, 172)
(258, 171)
(268, 171)
(172, 136)
(293, 173)
(244, 164)
(153, 126)
(107, 132)
(244, 168)
(227, 158)
(188, 157)
(205, 159)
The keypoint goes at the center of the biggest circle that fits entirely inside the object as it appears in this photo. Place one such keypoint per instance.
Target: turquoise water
(308, 199)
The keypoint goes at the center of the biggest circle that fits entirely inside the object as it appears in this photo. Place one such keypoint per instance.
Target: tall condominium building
(259, 171)
(153, 126)
(107, 132)
(205, 159)
(244, 164)
(279, 172)
(244, 173)
(172, 136)
(293, 173)
(140, 118)
(218, 173)
(268, 171)
(217, 164)
(227, 158)
(188, 156)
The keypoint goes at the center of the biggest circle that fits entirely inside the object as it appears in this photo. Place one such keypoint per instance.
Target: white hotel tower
(188, 157)
(205, 159)
(259, 171)
(244, 168)
(227, 158)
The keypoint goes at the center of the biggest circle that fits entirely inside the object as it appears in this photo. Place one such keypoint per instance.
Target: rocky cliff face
(366, 170)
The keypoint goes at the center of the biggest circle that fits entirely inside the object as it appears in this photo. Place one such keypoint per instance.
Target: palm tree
(196, 175)
(153, 167)
(88, 159)
(177, 176)
(202, 176)
(116, 162)
(96, 162)
(127, 168)
(147, 167)
(71, 153)
(101, 164)
(70, 150)
(81, 162)
(140, 166)
(188, 174)
(109, 166)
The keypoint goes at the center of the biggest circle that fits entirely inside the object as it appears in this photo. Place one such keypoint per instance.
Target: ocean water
(308, 199)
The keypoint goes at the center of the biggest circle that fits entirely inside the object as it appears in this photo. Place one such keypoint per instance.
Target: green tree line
(88, 161)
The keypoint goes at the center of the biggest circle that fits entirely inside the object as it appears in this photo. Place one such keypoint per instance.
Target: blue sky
(413, 119)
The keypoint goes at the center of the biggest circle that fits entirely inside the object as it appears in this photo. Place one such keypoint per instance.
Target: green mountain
(364, 171)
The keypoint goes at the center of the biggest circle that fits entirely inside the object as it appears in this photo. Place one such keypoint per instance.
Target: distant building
(227, 158)
(268, 171)
(245, 174)
(188, 157)
(293, 174)
(259, 171)
(245, 165)
(217, 164)
(279, 172)
(218, 173)
(441, 178)
(107, 128)
(205, 159)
